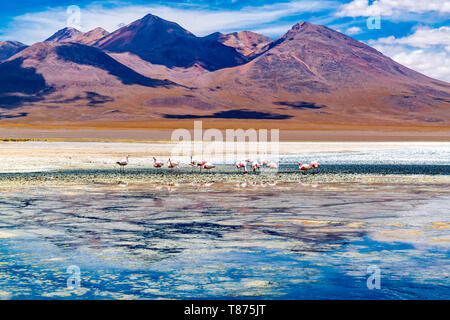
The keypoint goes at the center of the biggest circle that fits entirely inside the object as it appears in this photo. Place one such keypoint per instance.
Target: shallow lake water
(296, 240)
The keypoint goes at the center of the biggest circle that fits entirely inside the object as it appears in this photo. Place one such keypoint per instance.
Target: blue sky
(414, 33)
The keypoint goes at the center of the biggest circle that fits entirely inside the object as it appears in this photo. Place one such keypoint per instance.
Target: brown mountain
(10, 48)
(155, 71)
(246, 43)
(52, 75)
(318, 73)
(91, 37)
(65, 35)
(166, 43)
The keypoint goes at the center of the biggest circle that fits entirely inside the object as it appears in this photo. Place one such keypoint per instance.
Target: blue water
(288, 241)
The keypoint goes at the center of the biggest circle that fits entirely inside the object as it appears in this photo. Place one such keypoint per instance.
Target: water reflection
(285, 240)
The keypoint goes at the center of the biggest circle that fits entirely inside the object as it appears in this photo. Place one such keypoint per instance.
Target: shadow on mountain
(19, 85)
(12, 116)
(300, 105)
(166, 43)
(183, 101)
(92, 98)
(81, 54)
(232, 114)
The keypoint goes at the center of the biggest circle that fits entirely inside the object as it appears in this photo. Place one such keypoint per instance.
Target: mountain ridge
(154, 69)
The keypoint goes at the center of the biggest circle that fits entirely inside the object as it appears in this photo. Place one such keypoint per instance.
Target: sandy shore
(324, 134)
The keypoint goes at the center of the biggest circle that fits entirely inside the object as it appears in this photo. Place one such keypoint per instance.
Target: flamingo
(123, 163)
(173, 164)
(240, 164)
(315, 164)
(305, 167)
(157, 164)
(264, 162)
(208, 166)
(255, 166)
(201, 164)
(193, 163)
(273, 165)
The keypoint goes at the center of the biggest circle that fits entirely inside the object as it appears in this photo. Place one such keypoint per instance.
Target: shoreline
(42, 156)
(313, 134)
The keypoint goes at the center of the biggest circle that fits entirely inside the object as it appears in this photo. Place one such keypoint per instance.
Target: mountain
(154, 70)
(246, 43)
(166, 43)
(10, 48)
(316, 59)
(316, 72)
(53, 74)
(65, 35)
(91, 37)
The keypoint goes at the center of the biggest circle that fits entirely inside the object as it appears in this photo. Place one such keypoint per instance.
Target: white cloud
(422, 38)
(427, 51)
(353, 30)
(273, 31)
(361, 8)
(37, 26)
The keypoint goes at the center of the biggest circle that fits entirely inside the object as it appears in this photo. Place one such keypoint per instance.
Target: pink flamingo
(304, 167)
(273, 165)
(240, 164)
(307, 167)
(173, 164)
(208, 166)
(264, 162)
(123, 163)
(255, 166)
(193, 163)
(201, 164)
(157, 164)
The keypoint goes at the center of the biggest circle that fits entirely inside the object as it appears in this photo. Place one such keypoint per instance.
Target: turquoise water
(283, 241)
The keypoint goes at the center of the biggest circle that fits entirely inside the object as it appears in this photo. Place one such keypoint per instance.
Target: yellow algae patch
(439, 225)
(412, 232)
(6, 235)
(355, 224)
(304, 222)
(396, 224)
(334, 230)
(440, 240)
(255, 283)
(400, 234)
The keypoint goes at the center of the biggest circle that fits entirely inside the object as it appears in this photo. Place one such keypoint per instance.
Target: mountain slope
(156, 70)
(55, 74)
(318, 73)
(91, 37)
(65, 35)
(166, 43)
(246, 43)
(10, 48)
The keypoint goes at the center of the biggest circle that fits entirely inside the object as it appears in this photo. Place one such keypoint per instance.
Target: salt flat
(36, 156)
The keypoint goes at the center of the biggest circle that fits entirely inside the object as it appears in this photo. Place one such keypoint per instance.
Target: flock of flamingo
(241, 165)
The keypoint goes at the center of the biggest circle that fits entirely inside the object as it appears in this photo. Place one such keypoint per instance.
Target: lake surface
(285, 240)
